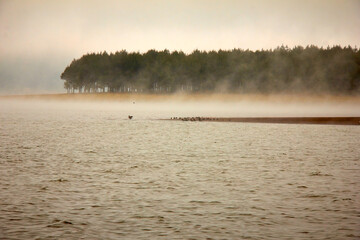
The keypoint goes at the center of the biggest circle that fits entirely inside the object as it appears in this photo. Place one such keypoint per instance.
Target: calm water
(83, 171)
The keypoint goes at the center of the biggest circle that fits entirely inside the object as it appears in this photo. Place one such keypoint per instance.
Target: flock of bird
(194, 118)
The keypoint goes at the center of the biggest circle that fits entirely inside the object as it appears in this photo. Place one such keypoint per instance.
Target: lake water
(84, 171)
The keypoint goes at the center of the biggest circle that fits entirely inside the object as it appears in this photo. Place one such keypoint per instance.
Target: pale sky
(43, 36)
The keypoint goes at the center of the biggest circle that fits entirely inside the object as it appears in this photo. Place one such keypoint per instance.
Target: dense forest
(311, 69)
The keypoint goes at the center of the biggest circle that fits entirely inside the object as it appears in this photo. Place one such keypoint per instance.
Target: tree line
(300, 69)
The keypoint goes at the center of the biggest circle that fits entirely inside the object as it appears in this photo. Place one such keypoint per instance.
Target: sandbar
(286, 120)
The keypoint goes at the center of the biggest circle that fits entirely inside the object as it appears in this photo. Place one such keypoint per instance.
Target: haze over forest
(313, 70)
(40, 38)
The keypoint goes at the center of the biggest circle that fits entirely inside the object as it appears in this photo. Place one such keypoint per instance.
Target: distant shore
(201, 97)
(287, 120)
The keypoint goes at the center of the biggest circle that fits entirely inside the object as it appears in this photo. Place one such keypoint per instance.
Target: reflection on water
(71, 173)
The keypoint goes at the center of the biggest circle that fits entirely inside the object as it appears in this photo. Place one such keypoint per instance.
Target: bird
(130, 117)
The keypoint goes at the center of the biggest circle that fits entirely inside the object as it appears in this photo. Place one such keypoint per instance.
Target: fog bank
(156, 107)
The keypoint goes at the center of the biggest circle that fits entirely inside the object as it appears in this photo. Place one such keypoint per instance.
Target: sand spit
(195, 97)
(287, 120)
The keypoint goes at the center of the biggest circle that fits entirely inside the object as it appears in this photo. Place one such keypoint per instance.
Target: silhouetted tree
(311, 69)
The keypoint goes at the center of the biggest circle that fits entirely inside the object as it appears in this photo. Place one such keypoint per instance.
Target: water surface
(84, 171)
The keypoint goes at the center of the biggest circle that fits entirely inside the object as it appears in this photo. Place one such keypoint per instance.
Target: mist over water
(176, 106)
(71, 170)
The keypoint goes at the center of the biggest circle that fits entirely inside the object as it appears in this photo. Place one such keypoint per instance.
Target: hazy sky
(40, 37)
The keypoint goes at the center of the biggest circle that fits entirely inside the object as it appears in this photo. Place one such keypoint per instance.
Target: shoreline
(281, 120)
(187, 97)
